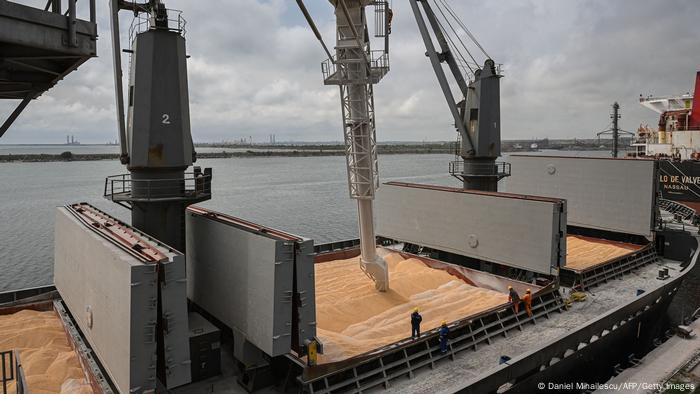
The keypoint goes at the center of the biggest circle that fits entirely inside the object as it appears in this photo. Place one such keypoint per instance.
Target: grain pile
(49, 362)
(584, 252)
(354, 318)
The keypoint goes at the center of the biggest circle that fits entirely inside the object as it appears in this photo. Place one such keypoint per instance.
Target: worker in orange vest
(514, 298)
(527, 300)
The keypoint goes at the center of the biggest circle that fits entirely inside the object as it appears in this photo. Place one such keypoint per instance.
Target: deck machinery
(155, 139)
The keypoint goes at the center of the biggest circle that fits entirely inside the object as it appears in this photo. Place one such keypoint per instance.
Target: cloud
(255, 70)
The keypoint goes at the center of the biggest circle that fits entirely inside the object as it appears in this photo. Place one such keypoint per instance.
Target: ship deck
(600, 300)
(449, 374)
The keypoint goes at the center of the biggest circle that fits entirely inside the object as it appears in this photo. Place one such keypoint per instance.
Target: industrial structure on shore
(186, 300)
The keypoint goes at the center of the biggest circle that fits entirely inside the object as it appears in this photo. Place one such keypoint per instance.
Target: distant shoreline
(44, 157)
(281, 151)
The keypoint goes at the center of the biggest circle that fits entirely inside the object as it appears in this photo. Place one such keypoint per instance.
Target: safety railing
(143, 22)
(336, 71)
(372, 371)
(194, 185)
(617, 268)
(498, 169)
(382, 18)
(56, 6)
(11, 296)
(11, 370)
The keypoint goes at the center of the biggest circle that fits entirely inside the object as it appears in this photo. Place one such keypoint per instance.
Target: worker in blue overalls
(444, 331)
(416, 318)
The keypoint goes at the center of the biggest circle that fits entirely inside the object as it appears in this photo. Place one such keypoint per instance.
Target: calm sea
(304, 196)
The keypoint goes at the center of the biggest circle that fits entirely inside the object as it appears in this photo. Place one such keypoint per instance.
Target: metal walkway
(39, 47)
(615, 269)
(365, 372)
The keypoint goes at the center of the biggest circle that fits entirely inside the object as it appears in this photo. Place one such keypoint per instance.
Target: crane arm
(436, 60)
(476, 113)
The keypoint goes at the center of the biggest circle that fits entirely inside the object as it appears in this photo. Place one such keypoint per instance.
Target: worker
(527, 301)
(416, 318)
(514, 298)
(444, 331)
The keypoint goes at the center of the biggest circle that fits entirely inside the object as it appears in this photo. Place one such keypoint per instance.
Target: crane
(355, 68)
(155, 138)
(614, 129)
(475, 106)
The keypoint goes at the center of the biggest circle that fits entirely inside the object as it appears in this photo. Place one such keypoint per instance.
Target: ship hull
(589, 353)
(680, 181)
(597, 361)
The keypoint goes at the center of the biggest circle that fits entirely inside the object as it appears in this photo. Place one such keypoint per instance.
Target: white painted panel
(514, 231)
(176, 333)
(244, 279)
(607, 194)
(102, 284)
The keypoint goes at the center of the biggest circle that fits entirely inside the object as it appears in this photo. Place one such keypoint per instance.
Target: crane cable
(467, 31)
(311, 23)
(454, 31)
(453, 47)
(463, 63)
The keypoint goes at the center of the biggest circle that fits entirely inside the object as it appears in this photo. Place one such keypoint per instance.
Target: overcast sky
(254, 70)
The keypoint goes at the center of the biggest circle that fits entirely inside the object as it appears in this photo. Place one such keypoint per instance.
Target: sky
(254, 70)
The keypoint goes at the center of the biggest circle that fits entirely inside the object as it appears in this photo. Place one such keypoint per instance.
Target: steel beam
(14, 115)
(114, 6)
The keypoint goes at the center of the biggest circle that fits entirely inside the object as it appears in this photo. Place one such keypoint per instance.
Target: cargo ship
(675, 143)
(187, 300)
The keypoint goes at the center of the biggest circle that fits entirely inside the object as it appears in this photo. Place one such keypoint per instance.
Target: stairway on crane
(39, 47)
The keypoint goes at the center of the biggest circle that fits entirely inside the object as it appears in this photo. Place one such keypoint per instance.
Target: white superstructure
(678, 133)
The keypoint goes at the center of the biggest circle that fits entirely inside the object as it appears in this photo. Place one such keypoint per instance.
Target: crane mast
(355, 73)
(355, 68)
(155, 137)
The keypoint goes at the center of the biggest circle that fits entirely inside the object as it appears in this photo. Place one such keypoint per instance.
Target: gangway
(40, 47)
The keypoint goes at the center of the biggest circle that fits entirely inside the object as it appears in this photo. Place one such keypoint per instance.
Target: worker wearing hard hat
(416, 318)
(527, 301)
(444, 331)
(514, 298)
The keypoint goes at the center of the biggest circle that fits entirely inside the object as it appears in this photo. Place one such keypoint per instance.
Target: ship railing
(583, 280)
(11, 370)
(336, 72)
(379, 368)
(193, 185)
(143, 22)
(498, 169)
